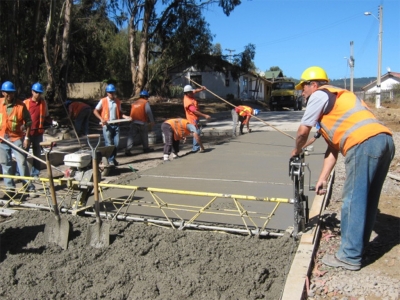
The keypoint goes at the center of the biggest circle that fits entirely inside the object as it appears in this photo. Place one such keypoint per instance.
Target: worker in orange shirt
(13, 117)
(39, 112)
(175, 130)
(192, 111)
(80, 114)
(140, 113)
(243, 114)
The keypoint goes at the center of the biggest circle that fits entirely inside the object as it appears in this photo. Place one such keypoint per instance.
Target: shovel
(98, 235)
(56, 229)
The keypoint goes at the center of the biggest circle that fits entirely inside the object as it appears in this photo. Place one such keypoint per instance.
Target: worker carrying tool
(192, 111)
(349, 127)
(243, 114)
(13, 116)
(107, 111)
(175, 130)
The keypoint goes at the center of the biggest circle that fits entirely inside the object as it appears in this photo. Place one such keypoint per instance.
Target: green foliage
(275, 68)
(175, 91)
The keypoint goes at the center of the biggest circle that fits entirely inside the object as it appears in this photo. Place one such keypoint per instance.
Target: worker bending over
(243, 114)
(175, 130)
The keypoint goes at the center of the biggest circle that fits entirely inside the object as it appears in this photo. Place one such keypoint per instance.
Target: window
(197, 79)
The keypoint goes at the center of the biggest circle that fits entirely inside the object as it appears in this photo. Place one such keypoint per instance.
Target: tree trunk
(65, 51)
(50, 89)
(132, 50)
(148, 10)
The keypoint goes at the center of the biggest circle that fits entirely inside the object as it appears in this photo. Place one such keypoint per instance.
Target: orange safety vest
(245, 111)
(105, 110)
(179, 126)
(42, 115)
(11, 124)
(349, 122)
(76, 107)
(138, 110)
(192, 118)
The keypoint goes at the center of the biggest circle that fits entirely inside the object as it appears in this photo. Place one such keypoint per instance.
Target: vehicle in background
(283, 94)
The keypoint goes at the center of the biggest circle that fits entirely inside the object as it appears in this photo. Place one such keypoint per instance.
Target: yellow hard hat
(310, 74)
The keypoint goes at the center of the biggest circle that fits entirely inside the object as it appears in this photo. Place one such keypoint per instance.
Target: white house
(220, 81)
(387, 82)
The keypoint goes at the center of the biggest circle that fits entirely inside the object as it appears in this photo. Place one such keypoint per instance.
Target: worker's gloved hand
(55, 124)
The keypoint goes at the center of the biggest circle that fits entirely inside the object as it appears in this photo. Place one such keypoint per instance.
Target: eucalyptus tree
(168, 32)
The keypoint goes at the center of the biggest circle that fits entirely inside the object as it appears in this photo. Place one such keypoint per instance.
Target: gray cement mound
(142, 262)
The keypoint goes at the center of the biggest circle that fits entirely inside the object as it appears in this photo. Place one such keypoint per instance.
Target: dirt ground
(148, 262)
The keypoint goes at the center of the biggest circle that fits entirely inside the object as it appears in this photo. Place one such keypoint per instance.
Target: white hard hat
(188, 88)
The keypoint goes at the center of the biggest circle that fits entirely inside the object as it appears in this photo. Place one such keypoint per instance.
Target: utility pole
(230, 54)
(378, 78)
(351, 65)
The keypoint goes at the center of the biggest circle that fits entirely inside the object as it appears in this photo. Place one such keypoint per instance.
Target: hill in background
(358, 83)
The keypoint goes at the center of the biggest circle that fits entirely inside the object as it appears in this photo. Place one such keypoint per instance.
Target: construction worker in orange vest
(140, 113)
(14, 117)
(80, 114)
(109, 109)
(349, 128)
(175, 130)
(242, 114)
(192, 111)
(39, 112)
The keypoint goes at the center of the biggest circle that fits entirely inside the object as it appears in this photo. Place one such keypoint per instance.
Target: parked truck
(283, 94)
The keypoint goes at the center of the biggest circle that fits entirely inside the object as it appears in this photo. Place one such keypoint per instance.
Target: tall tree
(174, 12)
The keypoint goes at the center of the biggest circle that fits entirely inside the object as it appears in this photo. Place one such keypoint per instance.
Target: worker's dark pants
(170, 142)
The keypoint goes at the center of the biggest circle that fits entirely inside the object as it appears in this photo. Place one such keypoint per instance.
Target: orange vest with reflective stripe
(245, 110)
(76, 107)
(349, 122)
(138, 110)
(11, 124)
(42, 115)
(179, 127)
(105, 110)
(192, 118)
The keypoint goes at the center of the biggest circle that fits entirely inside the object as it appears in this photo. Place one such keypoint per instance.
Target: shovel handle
(93, 136)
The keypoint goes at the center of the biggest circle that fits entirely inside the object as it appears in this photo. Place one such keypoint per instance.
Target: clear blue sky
(296, 34)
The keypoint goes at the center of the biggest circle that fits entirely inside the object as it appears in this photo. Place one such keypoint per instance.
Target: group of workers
(341, 118)
(22, 126)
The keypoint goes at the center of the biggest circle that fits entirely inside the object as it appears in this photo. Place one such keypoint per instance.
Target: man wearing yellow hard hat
(348, 127)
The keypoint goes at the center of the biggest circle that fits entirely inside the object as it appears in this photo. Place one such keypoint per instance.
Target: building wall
(217, 83)
(385, 85)
(86, 90)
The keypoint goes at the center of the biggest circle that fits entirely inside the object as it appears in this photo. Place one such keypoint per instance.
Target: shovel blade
(98, 235)
(56, 231)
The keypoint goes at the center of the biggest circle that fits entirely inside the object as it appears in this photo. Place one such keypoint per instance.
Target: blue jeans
(366, 167)
(111, 137)
(6, 163)
(37, 150)
(196, 146)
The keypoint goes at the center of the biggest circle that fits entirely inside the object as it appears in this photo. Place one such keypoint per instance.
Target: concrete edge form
(296, 281)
